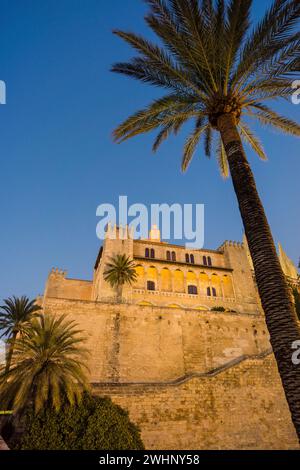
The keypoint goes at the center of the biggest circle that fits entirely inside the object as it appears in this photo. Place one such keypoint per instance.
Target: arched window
(192, 290)
(204, 260)
(208, 292)
(168, 256)
(187, 258)
(214, 292)
(192, 259)
(152, 253)
(173, 256)
(209, 261)
(150, 285)
(147, 253)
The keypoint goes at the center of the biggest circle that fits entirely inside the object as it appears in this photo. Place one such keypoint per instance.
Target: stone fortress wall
(190, 377)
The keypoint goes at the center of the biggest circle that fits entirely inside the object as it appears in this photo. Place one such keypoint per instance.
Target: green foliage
(47, 365)
(15, 316)
(120, 271)
(217, 309)
(212, 60)
(94, 424)
(297, 301)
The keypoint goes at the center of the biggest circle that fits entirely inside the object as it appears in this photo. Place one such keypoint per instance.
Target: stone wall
(239, 407)
(191, 379)
(58, 285)
(145, 344)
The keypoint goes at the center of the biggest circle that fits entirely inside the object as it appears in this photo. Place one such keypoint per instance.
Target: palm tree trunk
(10, 351)
(274, 292)
(119, 293)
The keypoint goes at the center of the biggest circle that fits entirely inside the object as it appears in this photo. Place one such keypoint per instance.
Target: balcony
(183, 295)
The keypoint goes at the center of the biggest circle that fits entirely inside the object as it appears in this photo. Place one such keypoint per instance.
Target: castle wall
(190, 379)
(235, 256)
(59, 286)
(242, 407)
(132, 343)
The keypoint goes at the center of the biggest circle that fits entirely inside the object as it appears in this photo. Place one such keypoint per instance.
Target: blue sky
(58, 161)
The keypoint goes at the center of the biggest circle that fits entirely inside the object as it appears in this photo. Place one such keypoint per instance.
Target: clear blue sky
(58, 161)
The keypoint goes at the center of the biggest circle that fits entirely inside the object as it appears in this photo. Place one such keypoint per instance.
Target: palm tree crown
(212, 62)
(47, 365)
(120, 271)
(15, 315)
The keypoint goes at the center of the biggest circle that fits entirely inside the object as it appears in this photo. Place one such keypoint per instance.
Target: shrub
(94, 424)
(217, 309)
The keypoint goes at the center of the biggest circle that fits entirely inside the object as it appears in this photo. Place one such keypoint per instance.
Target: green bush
(217, 309)
(95, 424)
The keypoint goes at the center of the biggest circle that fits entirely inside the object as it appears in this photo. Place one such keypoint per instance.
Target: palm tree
(15, 316)
(219, 71)
(47, 366)
(120, 271)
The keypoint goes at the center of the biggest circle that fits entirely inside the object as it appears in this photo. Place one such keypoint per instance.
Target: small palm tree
(219, 72)
(15, 316)
(47, 366)
(120, 271)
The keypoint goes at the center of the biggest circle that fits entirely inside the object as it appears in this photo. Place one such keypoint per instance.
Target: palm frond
(238, 14)
(160, 112)
(159, 58)
(268, 117)
(191, 144)
(163, 23)
(208, 141)
(189, 15)
(252, 140)
(273, 33)
(222, 160)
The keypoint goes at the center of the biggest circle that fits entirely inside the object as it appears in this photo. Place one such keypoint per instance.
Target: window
(147, 253)
(204, 260)
(150, 285)
(192, 290)
(209, 261)
(173, 256)
(152, 253)
(214, 292)
(189, 259)
(208, 292)
(168, 256)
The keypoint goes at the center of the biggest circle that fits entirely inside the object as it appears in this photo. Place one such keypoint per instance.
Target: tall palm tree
(47, 365)
(15, 316)
(219, 71)
(120, 271)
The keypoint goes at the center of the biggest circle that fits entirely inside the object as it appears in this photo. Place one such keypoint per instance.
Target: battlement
(231, 243)
(58, 273)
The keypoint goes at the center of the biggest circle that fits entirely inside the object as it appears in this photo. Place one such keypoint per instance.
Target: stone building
(192, 375)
